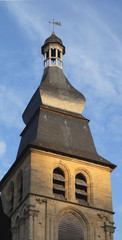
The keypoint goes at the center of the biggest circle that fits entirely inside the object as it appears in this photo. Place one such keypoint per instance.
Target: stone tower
(58, 188)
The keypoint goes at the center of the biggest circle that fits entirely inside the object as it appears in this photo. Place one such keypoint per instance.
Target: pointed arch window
(58, 183)
(81, 188)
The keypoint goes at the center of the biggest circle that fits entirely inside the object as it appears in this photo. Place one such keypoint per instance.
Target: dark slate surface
(61, 133)
(5, 225)
(56, 84)
(52, 129)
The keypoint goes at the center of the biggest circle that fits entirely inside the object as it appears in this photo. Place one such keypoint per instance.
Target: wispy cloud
(2, 148)
(28, 20)
(11, 106)
(4, 166)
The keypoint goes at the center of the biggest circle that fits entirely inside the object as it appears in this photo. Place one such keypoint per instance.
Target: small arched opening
(81, 188)
(58, 183)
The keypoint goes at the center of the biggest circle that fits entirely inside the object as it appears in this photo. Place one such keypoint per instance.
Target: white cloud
(2, 148)
(29, 22)
(11, 106)
(119, 209)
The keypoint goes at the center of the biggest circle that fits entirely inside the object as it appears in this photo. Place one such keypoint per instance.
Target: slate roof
(54, 84)
(61, 133)
(53, 39)
(54, 129)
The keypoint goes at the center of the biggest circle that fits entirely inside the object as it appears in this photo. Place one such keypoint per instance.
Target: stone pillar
(30, 227)
(109, 230)
(61, 62)
(49, 56)
(56, 57)
(35, 225)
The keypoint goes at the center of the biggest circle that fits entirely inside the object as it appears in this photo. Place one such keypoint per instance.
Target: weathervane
(56, 23)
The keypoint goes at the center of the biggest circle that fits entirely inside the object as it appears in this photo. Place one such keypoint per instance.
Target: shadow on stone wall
(5, 224)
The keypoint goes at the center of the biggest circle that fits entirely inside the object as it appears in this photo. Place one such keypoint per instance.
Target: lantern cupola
(53, 50)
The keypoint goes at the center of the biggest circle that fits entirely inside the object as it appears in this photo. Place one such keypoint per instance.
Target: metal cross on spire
(56, 23)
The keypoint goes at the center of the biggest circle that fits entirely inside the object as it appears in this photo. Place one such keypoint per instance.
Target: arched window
(70, 228)
(81, 188)
(20, 186)
(10, 196)
(59, 183)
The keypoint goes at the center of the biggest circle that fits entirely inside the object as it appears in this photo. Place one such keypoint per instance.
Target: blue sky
(92, 34)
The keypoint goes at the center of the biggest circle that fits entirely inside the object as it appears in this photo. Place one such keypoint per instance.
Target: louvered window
(70, 228)
(81, 188)
(58, 183)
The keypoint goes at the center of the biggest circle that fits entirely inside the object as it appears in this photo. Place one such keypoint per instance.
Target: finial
(56, 23)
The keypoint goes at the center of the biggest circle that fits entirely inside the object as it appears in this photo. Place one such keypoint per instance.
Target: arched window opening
(53, 54)
(81, 188)
(47, 54)
(70, 228)
(59, 183)
(20, 186)
(59, 54)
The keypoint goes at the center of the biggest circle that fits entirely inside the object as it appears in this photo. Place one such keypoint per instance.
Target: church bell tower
(59, 187)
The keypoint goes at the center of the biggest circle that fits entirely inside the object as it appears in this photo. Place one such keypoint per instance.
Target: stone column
(109, 230)
(30, 227)
(56, 57)
(49, 56)
(61, 62)
(35, 225)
